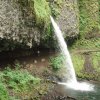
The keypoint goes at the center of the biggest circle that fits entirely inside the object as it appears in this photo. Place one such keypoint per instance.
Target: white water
(72, 81)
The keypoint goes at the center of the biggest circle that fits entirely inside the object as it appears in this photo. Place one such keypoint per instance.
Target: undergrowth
(89, 18)
(96, 60)
(57, 62)
(78, 62)
(87, 43)
(3, 92)
(17, 81)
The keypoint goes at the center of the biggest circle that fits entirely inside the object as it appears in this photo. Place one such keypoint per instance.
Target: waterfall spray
(72, 80)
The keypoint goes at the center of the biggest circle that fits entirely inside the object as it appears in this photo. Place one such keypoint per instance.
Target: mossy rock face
(68, 18)
(28, 21)
(17, 22)
(89, 17)
(42, 12)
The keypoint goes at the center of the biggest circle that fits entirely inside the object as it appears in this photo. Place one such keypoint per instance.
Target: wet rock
(35, 61)
(68, 18)
(17, 22)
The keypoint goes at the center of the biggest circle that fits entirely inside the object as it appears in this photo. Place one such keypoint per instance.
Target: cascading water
(72, 81)
(65, 52)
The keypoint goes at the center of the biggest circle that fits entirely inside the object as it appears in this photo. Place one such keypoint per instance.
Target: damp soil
(37, 57)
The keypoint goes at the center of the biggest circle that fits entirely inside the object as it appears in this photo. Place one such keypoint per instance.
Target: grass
(87, 43)
(96, 60)
(17, 81)
(78, 62)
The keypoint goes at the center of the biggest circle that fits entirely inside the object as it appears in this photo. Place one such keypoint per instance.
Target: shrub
(57, 62)
(19, 80)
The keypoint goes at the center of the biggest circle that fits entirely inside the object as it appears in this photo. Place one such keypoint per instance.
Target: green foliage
(55, 10)
(87, 43)
(17, 81)
(47, 38)
(57, 62)
(47, 33)
(89, 18)
(88, 76)
(55, 7)
(78, 61)
(42, 11)
(96, 60)
(3, 92)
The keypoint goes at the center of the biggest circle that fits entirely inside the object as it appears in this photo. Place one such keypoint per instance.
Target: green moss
(78, 61)
(89, 18)
(42, 11)
(93, 43)
(55, 7)
(96, 60)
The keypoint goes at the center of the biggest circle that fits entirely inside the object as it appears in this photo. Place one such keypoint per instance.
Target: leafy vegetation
(42, 11)
(57, 62)
(55, 7)
(79, 64)
(17, 81)
(89, 18)
(3, 92)
(87, 43)
(96, 60)
(78, 61)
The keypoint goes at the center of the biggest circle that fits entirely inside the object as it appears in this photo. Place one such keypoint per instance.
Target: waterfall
(65, 52)
(72, 80)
